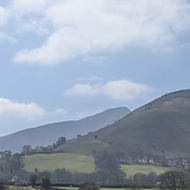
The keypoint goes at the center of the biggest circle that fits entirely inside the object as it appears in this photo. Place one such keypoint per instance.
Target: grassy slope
(79, 163)
(86, 149)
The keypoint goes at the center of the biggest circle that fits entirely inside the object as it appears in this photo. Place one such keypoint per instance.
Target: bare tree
(175, 180)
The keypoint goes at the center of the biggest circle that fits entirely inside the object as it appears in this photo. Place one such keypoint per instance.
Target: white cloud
(28, 7)
(85, 27)
(121, 90)
(83, 90)
(28, 16)
(37, 27)
(61, 45)
(32, 111)
(4, 14)
(5, 37)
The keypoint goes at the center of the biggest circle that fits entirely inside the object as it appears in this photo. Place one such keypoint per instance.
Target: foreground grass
(79, 163)
(76, 188)
(64, 188)
(61, 188)
(22, 188)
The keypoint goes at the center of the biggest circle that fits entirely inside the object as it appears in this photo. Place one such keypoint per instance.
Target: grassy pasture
(131, 170)
(50, 162)
(79, 163)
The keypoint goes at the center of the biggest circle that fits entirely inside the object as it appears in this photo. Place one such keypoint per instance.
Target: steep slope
(160, 127)
(48, 134)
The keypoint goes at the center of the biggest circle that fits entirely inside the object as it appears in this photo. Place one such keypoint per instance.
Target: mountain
(162, 127)
(48, 134)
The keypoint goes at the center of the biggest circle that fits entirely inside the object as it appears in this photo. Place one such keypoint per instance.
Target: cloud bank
(86, 27)
(14, 110)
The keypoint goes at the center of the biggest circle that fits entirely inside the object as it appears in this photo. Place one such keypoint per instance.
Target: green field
(50, 162)
(131, 170)
(79, 163)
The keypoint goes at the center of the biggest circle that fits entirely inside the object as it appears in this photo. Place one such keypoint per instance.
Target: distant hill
(162, 127)
(48, 134)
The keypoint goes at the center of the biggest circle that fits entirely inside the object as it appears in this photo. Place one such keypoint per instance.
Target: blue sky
(67, 59)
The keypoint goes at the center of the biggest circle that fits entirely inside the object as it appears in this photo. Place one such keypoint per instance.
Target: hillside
(48, 134)
(162, 127)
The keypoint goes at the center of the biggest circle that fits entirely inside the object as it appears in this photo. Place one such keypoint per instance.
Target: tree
(63, 175)
(27, 149)
(151, 179)
(7, 154)
(107, 167)
(35, 170)
(17, 156)
(175, 180)
(46, 184)
(44, 174)
(14, 165)
(59, 142)
(139, 180)
(33, 178)
(1, 154)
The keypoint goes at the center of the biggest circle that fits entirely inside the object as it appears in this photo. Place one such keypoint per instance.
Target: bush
(88, 186)
(2, 186)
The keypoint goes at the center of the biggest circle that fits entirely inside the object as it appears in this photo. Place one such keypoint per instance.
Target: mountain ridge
(47, 134)
(161, 127)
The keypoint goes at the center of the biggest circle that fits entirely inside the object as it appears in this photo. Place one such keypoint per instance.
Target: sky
(67, 59)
